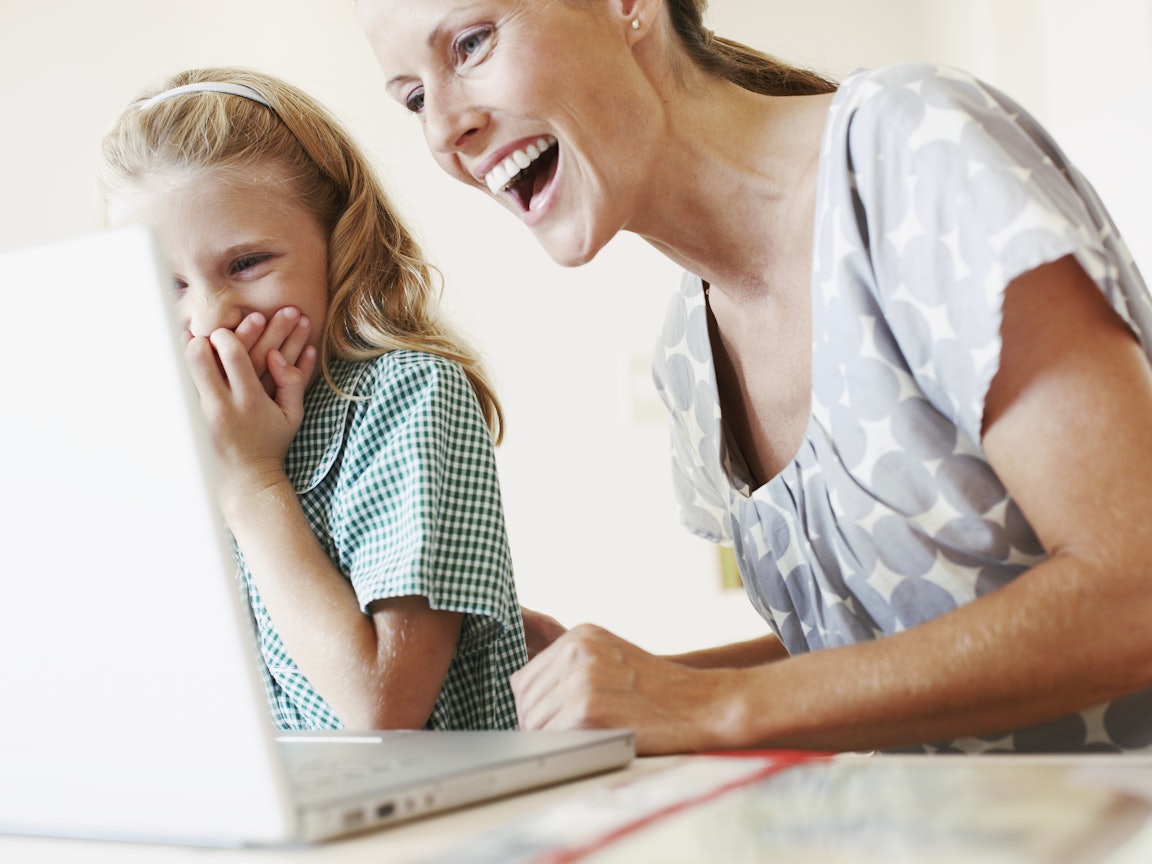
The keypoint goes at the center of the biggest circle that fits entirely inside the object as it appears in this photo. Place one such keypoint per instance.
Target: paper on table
(843, 810)
(574, 829)
(947, 810)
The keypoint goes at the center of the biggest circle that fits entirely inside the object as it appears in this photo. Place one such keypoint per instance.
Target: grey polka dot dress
(935, 191)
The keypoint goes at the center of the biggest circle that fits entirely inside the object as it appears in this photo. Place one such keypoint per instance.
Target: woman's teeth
(504, 174)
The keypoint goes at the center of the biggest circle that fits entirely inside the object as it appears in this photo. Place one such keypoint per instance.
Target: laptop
(132, 707)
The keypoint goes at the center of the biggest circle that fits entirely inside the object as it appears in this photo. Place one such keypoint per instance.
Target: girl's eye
(247, 262)
(179, 284)
(414, 101)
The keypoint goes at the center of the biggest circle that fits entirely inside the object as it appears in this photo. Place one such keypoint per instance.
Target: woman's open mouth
(526, 172)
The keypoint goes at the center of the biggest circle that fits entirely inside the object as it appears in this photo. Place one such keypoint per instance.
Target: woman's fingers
(590, 678)
(540, 630)
(571, 683)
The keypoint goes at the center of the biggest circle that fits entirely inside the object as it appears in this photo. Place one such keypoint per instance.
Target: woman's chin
(572, 241)
(569, 253)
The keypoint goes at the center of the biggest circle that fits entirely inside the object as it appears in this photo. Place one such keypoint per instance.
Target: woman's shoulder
(913, 77)
(900, 96)
(888, 120)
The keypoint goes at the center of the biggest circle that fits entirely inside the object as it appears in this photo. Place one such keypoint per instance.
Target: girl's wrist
(240, 491)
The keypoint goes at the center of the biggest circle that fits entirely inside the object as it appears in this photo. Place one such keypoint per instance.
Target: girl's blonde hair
(383, 294)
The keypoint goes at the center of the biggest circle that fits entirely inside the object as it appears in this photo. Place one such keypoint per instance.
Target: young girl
(354, 431)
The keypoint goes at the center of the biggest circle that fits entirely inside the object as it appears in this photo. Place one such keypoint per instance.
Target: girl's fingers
(287, 331)
(203, 366)
(296, 340)
(291, 382)
(240, 374)
(250, 329)
(279, 329)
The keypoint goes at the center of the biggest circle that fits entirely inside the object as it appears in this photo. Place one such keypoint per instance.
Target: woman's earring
(636, 23)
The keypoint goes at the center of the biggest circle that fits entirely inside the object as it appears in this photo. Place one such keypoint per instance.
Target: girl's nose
(206, 311)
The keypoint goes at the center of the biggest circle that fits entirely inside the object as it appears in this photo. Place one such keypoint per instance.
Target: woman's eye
(414, 101)
(472, 43)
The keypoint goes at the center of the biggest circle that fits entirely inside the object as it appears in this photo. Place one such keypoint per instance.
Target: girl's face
(238, 243)
(538, 103)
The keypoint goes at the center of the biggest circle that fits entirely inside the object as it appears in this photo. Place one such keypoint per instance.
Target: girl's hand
(287, 332)
(250, 429)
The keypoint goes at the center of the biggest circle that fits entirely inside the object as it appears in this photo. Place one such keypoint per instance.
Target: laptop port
(354, 819)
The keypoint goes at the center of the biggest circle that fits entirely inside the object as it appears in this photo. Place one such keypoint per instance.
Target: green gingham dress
(400, 487)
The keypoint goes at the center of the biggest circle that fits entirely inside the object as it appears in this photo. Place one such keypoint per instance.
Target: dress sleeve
(419, 506)
(959, 191)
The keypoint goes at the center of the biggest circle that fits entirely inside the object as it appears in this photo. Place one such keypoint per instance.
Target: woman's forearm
(1052, 643)
(737, 655)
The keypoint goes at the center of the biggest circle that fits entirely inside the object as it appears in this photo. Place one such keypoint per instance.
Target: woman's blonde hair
(725, 58)
(383, 294)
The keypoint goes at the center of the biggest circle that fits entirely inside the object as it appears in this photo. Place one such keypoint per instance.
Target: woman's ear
(637, 15)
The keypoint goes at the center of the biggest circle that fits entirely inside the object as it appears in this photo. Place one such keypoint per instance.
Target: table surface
(842, 810)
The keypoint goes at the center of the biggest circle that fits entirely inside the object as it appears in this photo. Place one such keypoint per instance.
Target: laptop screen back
(129, 689)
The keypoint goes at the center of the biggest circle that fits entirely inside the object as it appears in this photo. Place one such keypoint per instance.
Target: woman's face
(537, 103)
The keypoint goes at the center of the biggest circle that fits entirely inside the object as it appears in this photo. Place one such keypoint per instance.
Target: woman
(908, 372)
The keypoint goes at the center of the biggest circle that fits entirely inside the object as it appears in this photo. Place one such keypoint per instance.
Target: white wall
(587, 491)
(1084, 69)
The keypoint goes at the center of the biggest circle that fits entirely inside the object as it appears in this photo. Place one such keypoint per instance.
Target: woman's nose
(206, 311)
(451, 122)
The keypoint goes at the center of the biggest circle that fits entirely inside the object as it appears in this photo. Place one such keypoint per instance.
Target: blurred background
(584, 468)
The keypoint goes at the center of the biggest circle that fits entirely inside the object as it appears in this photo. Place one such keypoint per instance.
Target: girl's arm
(1067, 429)
(381, 670)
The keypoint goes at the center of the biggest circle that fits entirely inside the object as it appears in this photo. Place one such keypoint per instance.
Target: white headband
(207, 87)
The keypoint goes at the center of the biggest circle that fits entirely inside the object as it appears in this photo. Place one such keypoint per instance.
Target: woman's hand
(590, 678)
(540, 630)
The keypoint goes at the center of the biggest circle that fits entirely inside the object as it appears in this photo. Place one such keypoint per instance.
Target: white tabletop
(674, 810)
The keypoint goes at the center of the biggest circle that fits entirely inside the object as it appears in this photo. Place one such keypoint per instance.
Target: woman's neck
(736, 184)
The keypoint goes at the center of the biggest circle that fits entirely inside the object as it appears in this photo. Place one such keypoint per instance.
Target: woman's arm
(1067, 428)
(736, 655)
(542, 630)
(382, 670)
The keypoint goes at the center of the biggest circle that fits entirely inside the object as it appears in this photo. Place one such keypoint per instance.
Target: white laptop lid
(118, 635)
(129, 678)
